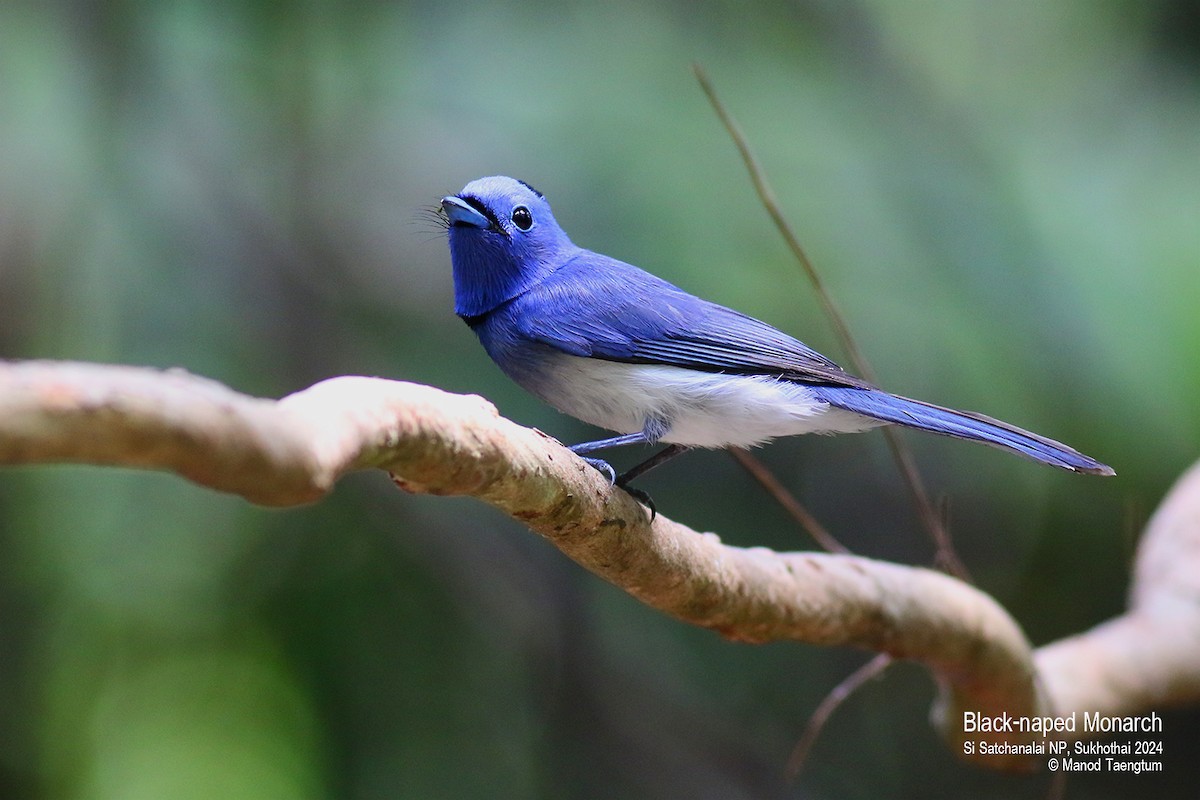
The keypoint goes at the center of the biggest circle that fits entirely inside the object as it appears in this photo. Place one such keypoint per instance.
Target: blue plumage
(959, 424)
(620, 348)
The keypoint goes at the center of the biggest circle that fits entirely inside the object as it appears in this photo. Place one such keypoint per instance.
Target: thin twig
(758, 470)
(946, 556)
(837, 695)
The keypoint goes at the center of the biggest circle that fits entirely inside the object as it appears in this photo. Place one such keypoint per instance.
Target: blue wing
(598, 307)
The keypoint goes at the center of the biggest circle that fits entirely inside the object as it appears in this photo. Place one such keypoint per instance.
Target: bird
(622, 349)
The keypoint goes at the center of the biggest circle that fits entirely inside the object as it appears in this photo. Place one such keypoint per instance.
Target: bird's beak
(460, 212)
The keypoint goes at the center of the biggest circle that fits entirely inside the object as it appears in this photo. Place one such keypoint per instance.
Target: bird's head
(503, 240)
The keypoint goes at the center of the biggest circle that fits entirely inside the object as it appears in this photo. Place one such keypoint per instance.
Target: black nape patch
(530, 188)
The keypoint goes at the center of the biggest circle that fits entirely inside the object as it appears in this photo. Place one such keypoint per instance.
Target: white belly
(700, 409)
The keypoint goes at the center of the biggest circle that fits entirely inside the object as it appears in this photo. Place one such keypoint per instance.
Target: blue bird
(619, 348)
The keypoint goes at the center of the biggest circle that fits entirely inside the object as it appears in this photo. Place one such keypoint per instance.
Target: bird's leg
(661, 457)
(602, 444)
(664, 455)
(653, 430)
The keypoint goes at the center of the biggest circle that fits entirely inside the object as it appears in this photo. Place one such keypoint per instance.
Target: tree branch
(292, 451)
(1148, 657)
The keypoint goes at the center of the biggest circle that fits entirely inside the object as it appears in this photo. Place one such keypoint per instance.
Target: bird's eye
(522, 218)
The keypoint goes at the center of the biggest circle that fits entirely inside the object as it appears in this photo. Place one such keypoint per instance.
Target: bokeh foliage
(1004, 197)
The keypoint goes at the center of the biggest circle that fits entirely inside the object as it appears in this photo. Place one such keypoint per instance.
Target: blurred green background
(1003, 197)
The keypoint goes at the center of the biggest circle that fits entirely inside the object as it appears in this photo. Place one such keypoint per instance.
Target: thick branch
(292, 451)
(1150, 656)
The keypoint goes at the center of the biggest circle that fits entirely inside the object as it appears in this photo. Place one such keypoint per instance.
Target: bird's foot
(603, 467)
(639, 495)
(622, 482)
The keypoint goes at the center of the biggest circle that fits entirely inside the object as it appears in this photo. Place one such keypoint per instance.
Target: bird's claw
(639, 495)
(603, 467)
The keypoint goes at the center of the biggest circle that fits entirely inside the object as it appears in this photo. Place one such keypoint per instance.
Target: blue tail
(959, 424)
